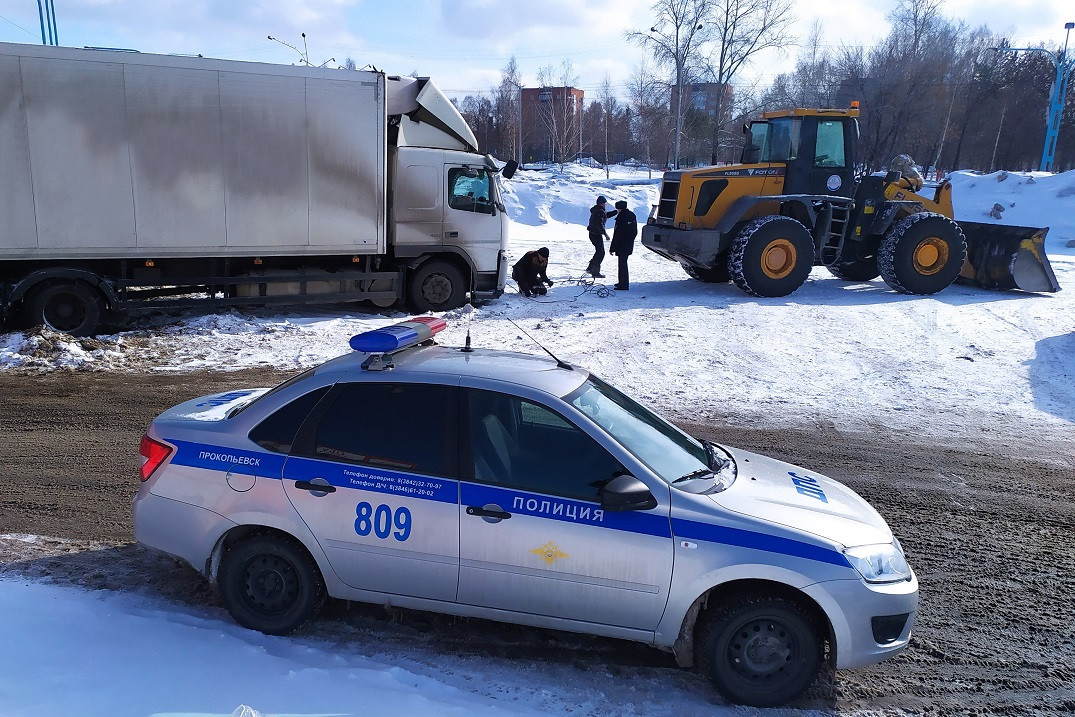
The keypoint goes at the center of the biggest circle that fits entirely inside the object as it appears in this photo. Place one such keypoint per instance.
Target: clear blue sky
(463, 44)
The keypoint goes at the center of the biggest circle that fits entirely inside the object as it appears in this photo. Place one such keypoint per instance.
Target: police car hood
(214, 407)
(782, 493)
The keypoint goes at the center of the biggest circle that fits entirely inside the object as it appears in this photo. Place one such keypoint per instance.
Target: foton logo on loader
(808, 486)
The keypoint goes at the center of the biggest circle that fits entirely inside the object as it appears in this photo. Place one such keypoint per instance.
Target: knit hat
(544, 251)
(601, 199)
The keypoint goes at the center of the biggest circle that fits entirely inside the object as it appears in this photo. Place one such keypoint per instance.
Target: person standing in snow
(529, 272)
(596, 228)
(623, 242)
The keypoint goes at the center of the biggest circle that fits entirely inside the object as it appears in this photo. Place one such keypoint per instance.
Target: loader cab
(817, 148)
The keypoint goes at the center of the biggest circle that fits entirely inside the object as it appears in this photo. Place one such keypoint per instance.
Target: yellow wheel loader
(795, 201)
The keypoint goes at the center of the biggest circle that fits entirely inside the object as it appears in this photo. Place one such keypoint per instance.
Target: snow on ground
(959, 366)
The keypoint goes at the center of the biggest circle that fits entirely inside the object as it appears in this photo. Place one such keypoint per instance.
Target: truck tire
(437, 285)
(855, 270)
(70, 307)
(759, 651)
(922, 253)
(270, 584)
(714, 275)
(771, 256)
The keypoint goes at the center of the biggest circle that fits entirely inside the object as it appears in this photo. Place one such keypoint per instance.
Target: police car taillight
(155, 453)
(398, 336)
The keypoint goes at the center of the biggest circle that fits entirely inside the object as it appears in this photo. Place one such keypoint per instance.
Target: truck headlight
(879, 563)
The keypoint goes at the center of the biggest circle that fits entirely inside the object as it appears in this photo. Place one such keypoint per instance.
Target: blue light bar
(398, 336)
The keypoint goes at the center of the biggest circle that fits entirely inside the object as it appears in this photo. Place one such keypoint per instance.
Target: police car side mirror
(626, 493)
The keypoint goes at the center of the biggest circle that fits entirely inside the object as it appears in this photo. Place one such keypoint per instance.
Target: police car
(523, 489)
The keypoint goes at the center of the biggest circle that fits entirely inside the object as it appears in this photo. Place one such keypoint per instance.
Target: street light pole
(1064, 68)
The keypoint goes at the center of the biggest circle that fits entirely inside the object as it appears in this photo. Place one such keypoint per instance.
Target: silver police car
(523, 489)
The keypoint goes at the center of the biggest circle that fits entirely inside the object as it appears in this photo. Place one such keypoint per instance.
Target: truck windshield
(665, 449)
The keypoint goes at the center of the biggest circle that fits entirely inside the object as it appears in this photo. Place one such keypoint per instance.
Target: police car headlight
(879, 563)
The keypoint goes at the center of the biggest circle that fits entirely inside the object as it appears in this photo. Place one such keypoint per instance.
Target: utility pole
(1064, 68)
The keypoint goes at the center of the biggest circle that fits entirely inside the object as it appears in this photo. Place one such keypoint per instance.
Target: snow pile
(1026, 199)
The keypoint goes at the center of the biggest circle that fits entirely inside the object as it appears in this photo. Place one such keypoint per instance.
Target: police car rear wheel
(760, 651)
(270, 585)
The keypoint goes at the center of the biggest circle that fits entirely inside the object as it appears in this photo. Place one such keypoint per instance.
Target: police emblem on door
(550, 553)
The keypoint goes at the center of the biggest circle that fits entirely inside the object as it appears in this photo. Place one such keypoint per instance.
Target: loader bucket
(1004, 257)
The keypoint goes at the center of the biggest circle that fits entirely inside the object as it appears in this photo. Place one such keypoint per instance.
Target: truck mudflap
(1007, 257)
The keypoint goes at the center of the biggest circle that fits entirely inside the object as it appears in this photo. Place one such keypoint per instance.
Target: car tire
(759, 651)
(922, 253)
(855, 270)
(270, 584)
(436, 285)
(715, 275)
(771, 256)
(70, 307)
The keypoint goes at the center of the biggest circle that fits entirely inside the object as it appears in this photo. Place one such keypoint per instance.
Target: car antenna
(559, 363)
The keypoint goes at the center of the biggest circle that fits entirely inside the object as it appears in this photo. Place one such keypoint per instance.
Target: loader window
(783, 140)
(830, 144)
(470, 190)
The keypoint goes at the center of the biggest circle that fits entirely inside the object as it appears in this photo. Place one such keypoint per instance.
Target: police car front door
(372, 476)
(533, 535)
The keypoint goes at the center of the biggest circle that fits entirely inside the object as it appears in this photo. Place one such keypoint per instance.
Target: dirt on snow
(989, 534)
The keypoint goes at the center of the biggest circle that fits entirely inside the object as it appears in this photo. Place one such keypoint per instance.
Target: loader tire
(922, 254)
(715, 275)
(771, 256)
(855, 270)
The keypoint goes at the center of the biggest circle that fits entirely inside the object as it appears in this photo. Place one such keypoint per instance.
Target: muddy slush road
(990, 534)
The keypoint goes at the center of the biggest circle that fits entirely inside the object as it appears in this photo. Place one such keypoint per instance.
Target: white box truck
(133, 180)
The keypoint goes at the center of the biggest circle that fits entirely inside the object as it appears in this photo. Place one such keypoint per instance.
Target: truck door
(472, 219)
(373, 476)
(533, 537)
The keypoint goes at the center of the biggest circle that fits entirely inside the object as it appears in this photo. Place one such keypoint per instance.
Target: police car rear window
(308, 373)
(277, 432)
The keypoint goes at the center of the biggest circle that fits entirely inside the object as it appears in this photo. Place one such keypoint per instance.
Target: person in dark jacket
(529, 272)
(623, 242)
(596, 227)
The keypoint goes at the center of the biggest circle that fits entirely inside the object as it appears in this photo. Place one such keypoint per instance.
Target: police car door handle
(487, 512)
(315, 487)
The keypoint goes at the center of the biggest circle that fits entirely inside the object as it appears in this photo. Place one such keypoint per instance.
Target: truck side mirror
(626, 492)
(509, 169)
(751, 154)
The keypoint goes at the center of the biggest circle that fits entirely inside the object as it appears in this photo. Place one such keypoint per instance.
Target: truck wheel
(922, 254)
(771, 256)
(73, 308)
(759, 651)
(436, 286)
(270, 584)
(714, 275)
(855, 270)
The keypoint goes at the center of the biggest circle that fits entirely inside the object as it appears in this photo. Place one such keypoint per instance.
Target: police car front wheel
(270, 584)
(760, 651)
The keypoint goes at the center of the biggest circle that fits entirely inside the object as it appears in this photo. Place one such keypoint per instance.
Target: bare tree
(739, 30)
(675, 39)
(609, 105)
(560, 110)
(650, 118)
(508, 106)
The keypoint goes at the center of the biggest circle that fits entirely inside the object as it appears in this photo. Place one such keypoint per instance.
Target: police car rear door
(373, 476)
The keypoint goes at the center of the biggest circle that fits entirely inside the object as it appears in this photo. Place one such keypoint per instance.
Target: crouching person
(529, 272)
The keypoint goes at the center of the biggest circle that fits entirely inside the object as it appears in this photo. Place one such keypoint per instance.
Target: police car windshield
(666, 450)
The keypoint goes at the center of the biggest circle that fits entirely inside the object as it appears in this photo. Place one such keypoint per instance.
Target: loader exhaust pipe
(1006, 257)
